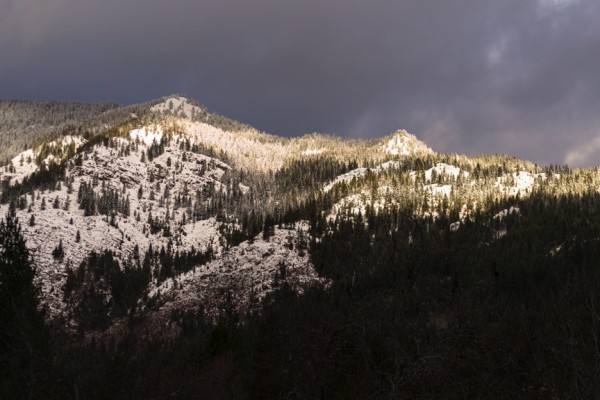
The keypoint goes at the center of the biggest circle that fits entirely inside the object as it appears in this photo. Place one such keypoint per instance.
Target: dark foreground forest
(413, 310)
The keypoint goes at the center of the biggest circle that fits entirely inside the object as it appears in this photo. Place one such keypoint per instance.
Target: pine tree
(58, 253)
(24, 339)
(268, 228)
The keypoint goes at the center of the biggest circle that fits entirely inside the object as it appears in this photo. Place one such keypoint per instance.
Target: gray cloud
(467, 76)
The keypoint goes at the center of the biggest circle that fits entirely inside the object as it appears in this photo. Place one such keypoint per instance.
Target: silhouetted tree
(24, 339)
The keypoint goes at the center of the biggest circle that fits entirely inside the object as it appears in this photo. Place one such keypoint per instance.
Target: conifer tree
(24, 339)
(58, 252)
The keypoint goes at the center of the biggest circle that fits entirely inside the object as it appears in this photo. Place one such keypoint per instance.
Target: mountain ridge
(179, 254)
(168, 181)
(160, 106)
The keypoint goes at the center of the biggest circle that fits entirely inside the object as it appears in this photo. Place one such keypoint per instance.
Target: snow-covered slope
(178, 106)
(359, 173)
(521, 182)
(156, 180)
(444, 169)
(403, 143)
(150, 188)
(168, 182)
(28, 161)
(243, 275)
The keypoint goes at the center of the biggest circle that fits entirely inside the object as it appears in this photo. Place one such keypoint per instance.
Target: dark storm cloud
(468, 76)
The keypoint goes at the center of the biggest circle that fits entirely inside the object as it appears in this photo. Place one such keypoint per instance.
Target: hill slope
(181, 254)
(177, 187)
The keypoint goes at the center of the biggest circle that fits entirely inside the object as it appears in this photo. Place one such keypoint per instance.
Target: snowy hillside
(214, 213)
(243, 275)
(30, 160)
(404, 144)
(149, 191)
(178, 106)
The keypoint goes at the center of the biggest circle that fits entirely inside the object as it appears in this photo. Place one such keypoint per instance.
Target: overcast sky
(470, 76)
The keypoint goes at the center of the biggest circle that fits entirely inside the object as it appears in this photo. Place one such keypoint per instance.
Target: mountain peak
(403, 143)
(179, 106)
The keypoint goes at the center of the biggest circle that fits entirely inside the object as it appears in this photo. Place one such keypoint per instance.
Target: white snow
(25, 164)
(445, 169)
(442, 170)
(244, 147)
(246, 272)
(358, 173)
(249, 270)
(313, 152)
(347, 177)
(403, 143)
(125, 173)
(439, 190)
(521, 182)
(398, 145)
(67, 140)
(357, 203)
(556, 249)
(504, 213)
(250, 267)
(245, 189)
(147, 135)
(178, 106)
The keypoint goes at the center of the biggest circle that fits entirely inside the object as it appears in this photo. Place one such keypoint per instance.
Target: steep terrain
(26, 123)
(181, 254)
(195, 204)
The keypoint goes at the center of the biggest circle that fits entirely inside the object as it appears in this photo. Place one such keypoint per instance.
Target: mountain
(168, 183)
(25, 123)
(165, 220)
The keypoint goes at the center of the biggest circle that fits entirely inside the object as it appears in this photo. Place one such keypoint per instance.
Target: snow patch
(445, 169)
(178, 106)
(246, 272)
(147, 135)
(439, 190)
(404, 144)
(398, 145)
(167, 177)
(25, 163)
(521, 182)
(313, 152)
(504, 213)
(358, 173)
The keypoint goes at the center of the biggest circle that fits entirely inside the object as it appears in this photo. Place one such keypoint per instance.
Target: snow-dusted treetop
(403, 143)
